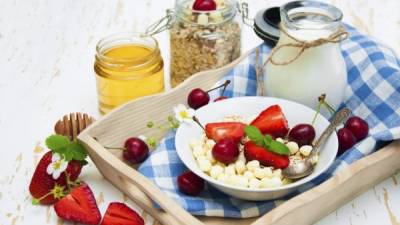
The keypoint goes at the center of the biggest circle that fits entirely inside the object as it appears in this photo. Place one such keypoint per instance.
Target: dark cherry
(190, 184)
(220, 98)
(136, 150)
(346, 140)
(204, 5)
(302, 134)
(198, 98)
(358, 127)
(225, 151)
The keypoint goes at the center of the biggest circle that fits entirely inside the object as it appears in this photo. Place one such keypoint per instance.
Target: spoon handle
(337, 119)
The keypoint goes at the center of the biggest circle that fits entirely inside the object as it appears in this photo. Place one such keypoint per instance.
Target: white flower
(183, 114)
(57, 166)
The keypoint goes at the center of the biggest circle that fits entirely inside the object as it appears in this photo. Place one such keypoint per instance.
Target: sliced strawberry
(264, 156)
(272, 121)
(225, 130)
(79, 206)
(42, 183)
(120, 214)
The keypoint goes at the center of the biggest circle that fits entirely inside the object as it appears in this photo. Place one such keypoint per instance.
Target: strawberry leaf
(77, 151)
(57, 142)
(254, 134)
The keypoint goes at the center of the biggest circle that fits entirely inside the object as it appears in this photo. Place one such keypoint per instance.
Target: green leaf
(254, 134)
(56, 142)
(279, 148)
(77, 151)
(68, 155)
(267, 140)
(35, 201)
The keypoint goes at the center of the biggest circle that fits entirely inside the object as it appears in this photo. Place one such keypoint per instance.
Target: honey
(127, 66)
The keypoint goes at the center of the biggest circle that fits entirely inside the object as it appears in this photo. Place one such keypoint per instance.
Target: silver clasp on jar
(243, 9)
(161, 25)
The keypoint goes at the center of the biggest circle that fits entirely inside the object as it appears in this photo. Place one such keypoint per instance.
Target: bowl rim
(295, 184)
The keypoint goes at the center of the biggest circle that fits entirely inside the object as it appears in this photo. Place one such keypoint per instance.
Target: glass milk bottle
(307, 60)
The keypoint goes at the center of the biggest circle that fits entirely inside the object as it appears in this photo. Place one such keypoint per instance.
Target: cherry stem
(198, 122)
(321, 101)
(227, 82)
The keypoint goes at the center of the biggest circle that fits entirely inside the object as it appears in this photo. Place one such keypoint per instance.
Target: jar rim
(335, 14)
(117, 39)
(181, 10)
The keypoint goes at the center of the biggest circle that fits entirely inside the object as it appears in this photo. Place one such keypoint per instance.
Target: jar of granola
(205, 34)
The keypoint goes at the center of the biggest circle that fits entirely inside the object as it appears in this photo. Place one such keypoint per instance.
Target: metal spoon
(302, 168)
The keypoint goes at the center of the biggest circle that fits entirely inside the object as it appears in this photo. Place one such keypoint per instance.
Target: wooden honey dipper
(71, 125)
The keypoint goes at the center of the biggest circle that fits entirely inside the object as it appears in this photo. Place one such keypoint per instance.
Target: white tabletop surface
(46, 70)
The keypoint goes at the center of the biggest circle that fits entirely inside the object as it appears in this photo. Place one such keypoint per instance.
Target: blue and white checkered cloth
(373, 93)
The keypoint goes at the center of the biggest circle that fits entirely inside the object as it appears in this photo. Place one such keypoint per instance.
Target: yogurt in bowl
(248, 176)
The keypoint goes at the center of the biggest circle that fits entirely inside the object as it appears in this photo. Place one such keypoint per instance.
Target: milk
(318, 70)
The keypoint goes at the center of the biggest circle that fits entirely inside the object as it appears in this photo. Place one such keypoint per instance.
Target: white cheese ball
(248, 174)
(230, 170)
(280, 140)
(271, 182)
(254, 183)
(293, 147)
(210, 144)
(252, 165)
(210, 157)
(204, 164)
(238, 181)
(202, 19)
(199, 151)
(306, 150)
(216, 171)
(277, 173)
(194, 143)
(240, 167)
(223, 178)
(263, 172)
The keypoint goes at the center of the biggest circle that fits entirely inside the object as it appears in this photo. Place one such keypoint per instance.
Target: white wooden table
(46, 70)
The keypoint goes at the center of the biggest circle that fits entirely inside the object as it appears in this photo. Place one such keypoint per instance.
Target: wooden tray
(131, 119)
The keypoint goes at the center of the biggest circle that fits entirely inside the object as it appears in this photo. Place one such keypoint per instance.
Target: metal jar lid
(266, 25)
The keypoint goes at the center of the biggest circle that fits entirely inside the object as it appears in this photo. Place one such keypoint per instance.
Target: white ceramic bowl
(250, 107)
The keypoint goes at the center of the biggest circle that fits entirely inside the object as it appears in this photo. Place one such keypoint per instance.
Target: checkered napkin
(373, 93)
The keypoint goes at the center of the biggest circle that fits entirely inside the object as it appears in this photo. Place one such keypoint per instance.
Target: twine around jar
(336, 37)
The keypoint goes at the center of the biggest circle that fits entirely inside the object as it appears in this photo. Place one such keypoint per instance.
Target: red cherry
(204, 5)
(358, 127)
(136, 150)
(190, 184)
(198, 98)
(346, 140)
(225, 151)
(220, 98)
(302, 134)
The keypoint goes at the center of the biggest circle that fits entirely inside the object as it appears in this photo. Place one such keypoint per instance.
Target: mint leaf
(267, 140)
(57, 142)
(279, 148)
(254, 134)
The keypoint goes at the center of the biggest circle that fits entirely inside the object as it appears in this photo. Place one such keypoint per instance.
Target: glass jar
(202, 40)
(316, 69)
(127, 66)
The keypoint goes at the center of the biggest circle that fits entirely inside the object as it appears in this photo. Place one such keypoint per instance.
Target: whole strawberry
(42, 184)
(57, 171)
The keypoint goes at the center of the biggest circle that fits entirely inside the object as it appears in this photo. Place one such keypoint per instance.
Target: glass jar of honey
(127, 66)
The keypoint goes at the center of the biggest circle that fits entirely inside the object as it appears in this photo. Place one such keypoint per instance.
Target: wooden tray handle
(350, 182)
(127, 178)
